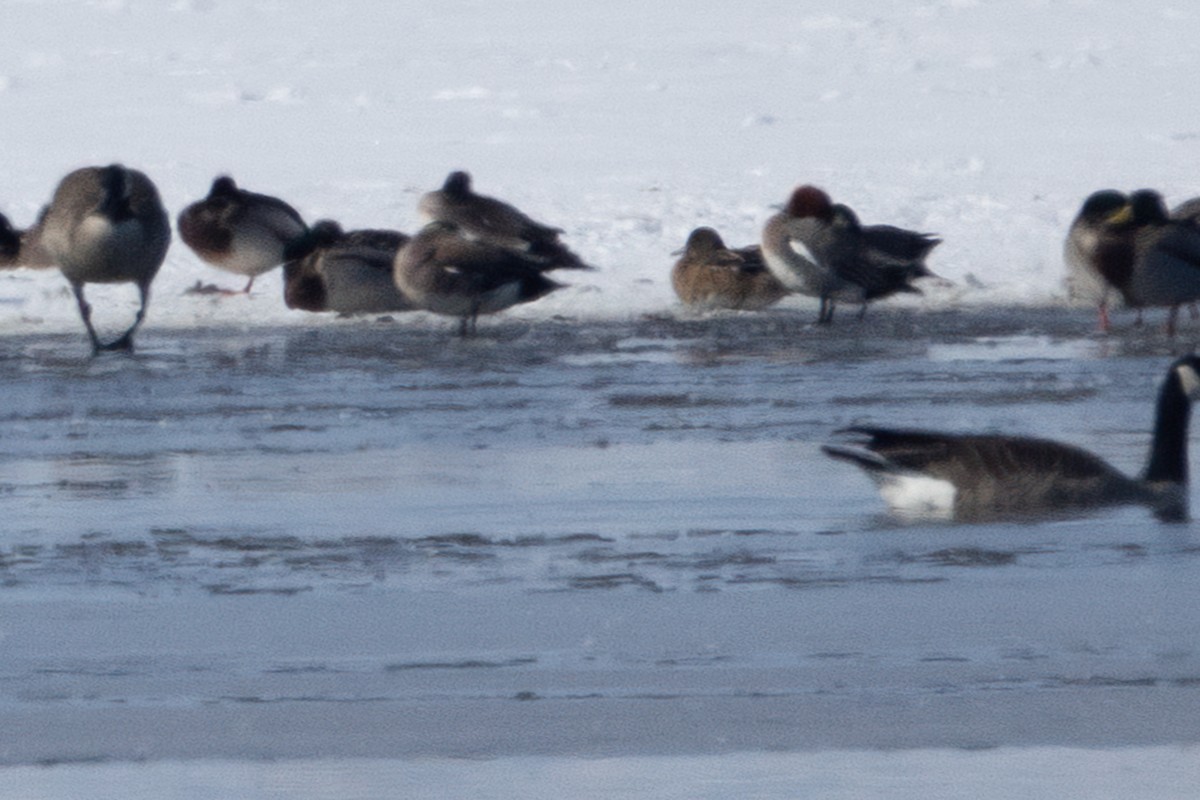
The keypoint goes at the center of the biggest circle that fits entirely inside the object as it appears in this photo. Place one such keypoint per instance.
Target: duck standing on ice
(497, 223)
(445, 272)
(242, 232)
(816, 248)
(1099, 250)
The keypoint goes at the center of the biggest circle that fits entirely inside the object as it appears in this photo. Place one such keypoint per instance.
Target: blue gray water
(374, 539)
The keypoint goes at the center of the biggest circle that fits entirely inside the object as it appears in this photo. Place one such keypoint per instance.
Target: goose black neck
(1168, 451)
(114, 186)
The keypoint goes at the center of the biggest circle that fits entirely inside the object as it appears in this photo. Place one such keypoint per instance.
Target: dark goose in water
(977, 477)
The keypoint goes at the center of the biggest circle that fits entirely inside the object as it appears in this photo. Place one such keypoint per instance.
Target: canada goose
(496, 222)
(107, 225)
(976, 477)
(23, 248)
(711, 275)
(1099, 250)
(814, 249)
(242, 232)
(442, 271)
(346, 272)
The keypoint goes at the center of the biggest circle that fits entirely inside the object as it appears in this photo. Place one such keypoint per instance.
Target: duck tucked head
(1148, 207)
(809, 201)
(458, 184)
(1107, 206)
(323, 233)
(845, 218)
(223, 186)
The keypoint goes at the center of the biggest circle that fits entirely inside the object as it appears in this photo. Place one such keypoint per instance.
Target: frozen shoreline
(1161, 773)
(595, 552)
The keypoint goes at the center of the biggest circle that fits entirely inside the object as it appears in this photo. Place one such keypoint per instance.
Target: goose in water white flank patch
(986, 476)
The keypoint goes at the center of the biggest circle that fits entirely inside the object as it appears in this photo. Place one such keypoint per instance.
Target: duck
(885, 250)
(239, 231)
(348, 272)
(977, 477)
(1166, 258)
(1099, 250)
(710, 275)
(444, 271)
(10, 242)
(1187, 211)
(814, 249)
(496, 222)
(23, 248)
(107, 225)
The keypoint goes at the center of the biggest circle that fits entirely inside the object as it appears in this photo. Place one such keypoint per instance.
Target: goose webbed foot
(122, 344)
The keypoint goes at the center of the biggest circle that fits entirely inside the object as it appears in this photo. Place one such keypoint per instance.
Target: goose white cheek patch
(1189, 380)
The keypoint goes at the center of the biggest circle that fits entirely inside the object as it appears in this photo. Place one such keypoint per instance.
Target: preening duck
(1099, 251)
(107, 225)
(983, 476)
(496, 222)
(442, 271)
(242, 232)
(816, 249)
(710, 275)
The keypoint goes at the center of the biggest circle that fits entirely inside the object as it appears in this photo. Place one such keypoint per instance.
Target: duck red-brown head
(809, 201)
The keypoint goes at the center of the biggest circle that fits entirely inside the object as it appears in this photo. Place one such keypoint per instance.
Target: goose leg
(1171, 317)
(85, 311)
(1104, 323)
(124, 342)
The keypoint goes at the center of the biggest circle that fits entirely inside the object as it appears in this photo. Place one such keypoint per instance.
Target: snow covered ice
(594, 551)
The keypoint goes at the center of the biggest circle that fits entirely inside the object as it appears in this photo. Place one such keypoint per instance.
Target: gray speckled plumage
(1166, 264)
(347, 272)
(816, 248)
(442, 271)
(496, 222)
(107, 225)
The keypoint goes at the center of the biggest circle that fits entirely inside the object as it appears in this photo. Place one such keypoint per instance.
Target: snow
(273, 522)
(986, 123)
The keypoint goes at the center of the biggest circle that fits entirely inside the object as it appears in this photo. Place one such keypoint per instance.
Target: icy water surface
(372, 539)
